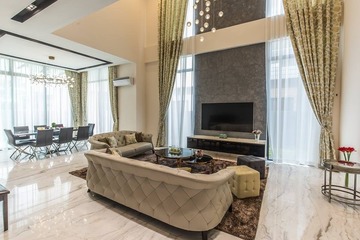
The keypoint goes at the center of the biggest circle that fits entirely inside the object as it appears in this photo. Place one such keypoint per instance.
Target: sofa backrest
(158, 172)
(119, 136)
(195, 202)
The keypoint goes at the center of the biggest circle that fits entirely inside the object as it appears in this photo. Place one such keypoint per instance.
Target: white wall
(350, 87)
(240, 35)
(119, 29)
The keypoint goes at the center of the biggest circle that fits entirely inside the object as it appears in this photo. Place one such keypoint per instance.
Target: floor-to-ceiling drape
(113, 93)
(314, 29)
(171, 24)
(78, 97)
(293, 131)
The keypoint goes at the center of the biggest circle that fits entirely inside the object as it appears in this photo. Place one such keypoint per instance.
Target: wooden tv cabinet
(241, 146)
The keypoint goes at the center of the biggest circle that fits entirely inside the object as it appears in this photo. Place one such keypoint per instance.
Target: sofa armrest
(147, 137)
(97, 144)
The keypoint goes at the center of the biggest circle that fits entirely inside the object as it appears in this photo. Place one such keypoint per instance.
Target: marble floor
(46, 202)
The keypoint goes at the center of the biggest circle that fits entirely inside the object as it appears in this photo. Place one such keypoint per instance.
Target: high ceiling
(34, 40)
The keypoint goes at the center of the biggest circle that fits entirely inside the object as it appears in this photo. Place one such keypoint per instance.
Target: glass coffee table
(348, 195)
(184, 154)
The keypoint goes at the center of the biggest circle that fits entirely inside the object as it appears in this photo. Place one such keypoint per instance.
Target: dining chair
(39, 126)
(44, 139)
(21, 129)
(65, 138)
(82, 136)
(60, 125)
(20, 145)
(91, 129)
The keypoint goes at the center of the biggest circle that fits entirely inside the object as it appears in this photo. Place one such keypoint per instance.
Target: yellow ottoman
(188, 169)
(245, 182)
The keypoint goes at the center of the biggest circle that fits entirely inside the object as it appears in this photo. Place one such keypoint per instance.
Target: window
(181, 108)
(98, 100)
(293, 131)
(27, 104)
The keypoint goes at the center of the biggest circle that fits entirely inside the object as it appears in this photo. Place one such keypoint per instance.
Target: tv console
(241, 146)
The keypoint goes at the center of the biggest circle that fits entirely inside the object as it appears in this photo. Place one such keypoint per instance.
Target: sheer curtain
(181, 108)
(98, 101)
(293, 131)
(180, 116)
(27, 104)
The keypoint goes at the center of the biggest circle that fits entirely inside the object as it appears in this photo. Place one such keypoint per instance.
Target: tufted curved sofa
(125, 150)
(193, 202)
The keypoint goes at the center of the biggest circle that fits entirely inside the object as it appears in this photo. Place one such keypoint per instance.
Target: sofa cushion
(112, 151)
(112, 141)
(139, 137)
(104, 140)
(130, 139)
(126, 151)
(141, 147)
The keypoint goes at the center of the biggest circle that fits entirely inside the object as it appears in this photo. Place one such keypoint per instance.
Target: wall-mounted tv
(233, 117)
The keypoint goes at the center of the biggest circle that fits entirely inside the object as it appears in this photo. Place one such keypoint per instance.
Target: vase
(257, 137)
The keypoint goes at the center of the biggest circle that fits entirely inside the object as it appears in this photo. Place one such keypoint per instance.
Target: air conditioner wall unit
(123, 81)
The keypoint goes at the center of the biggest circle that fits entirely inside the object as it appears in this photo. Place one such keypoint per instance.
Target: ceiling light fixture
(31, 7)
(52, 80)
(206, 12)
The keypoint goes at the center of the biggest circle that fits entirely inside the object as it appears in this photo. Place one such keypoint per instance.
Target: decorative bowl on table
(175, 150)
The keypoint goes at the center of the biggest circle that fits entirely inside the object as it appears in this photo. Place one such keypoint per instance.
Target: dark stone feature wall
(233, 75)
(235, 12)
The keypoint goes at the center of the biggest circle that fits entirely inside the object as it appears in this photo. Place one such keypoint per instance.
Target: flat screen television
(233, 117)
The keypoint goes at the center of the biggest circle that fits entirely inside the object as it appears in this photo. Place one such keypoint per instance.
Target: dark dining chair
(91, 129)
(21, 129)
(65, 138)
(20, 145)
(44, 140)
(39, 126)
(82, 136)
(60, 125)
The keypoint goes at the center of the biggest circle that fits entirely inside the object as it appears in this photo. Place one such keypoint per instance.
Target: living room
(66, 210)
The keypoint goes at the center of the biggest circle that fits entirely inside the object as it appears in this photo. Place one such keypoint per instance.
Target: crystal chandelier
(206, 12)
(52, 81)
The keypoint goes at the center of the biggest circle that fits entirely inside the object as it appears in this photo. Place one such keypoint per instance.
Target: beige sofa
(126, 150)
(194, 202)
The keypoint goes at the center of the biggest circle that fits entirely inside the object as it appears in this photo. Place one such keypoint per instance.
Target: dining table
(34, 133)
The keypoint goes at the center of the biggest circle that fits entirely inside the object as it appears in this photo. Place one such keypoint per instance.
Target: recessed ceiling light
(31, 7)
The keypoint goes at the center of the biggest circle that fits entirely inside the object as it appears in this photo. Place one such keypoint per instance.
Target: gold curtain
(114, 97)
(78, 97)
(314, 29)
(171, 24)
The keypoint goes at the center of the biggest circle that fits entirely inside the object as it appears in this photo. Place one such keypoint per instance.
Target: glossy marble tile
(294, 207)
(46, 202)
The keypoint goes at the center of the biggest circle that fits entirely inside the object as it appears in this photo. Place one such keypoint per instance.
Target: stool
(188, 169)
(256, 163)
(4, 198)
(245, 182)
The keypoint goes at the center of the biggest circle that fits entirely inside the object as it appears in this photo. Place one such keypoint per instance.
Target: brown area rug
(242, 221)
